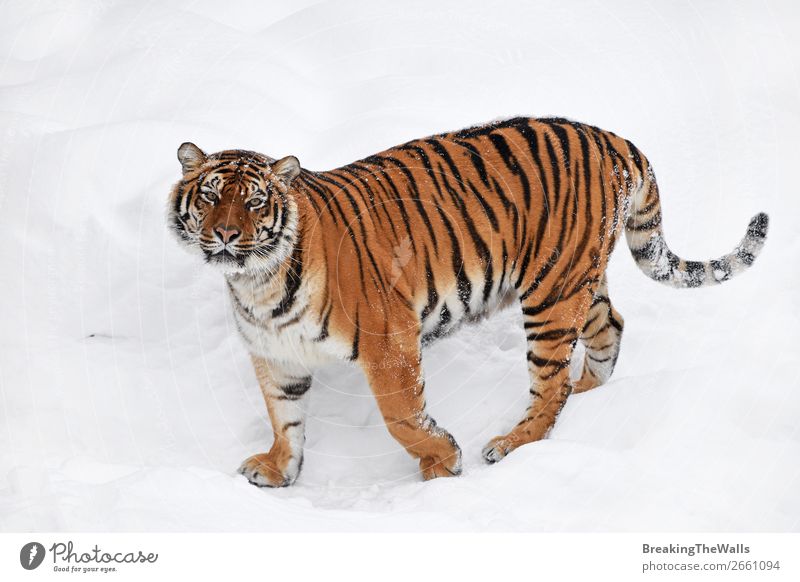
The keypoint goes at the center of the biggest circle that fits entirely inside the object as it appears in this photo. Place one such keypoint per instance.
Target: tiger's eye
(256, 203)
(209, 196)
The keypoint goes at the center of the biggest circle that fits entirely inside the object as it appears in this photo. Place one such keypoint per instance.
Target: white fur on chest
(292, 338)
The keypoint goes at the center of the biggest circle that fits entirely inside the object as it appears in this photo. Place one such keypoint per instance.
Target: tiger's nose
(227, 234)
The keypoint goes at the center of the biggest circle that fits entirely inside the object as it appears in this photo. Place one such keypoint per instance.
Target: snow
(127, 401)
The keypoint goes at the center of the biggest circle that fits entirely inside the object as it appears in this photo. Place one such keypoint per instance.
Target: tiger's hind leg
(601, 337)
(552, 325)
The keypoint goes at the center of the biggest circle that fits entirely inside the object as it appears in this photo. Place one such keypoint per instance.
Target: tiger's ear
(287, 169)
(191, 157)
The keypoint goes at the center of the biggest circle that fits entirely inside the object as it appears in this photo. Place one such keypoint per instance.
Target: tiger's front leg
(286, 397)
(394, 370)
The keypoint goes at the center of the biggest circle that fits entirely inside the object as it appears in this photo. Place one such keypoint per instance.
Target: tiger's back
(458, 224)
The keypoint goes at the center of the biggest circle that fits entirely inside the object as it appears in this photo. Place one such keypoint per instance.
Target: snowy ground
(127, 401)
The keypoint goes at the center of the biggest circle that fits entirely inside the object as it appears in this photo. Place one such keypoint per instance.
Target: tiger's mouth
(225, 258)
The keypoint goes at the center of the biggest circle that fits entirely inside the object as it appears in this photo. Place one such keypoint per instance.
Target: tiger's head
(235, 208)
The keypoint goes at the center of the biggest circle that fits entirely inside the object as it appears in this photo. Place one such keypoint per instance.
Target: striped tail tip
(659, 263)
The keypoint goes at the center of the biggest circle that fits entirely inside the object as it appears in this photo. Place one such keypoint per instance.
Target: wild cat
(524, 210)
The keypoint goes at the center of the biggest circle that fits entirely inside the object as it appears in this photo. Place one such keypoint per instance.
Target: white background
(126, 399)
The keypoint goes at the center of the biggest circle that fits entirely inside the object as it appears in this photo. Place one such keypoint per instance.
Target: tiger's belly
(446, 316)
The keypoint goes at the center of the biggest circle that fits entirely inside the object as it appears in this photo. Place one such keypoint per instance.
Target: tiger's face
(235, 208)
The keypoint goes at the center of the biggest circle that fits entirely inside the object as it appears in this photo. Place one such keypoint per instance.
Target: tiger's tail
(650, 251)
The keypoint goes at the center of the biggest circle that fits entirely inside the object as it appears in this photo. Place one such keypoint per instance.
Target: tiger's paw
(448, 465)
(263, 471)
(497, 449)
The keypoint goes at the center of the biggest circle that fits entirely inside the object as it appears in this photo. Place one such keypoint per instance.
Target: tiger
(373, 261)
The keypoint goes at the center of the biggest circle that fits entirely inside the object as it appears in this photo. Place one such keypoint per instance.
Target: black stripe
(397, 199)
(480, 245)
(445, 155)
(482, 130)
(555, 168)
(433, 296)
(509, 207)
(297, 389)
(547, 362)
(412, 183)
(463, 286)
(311, 188)
(695, 273)
(532, 139)
(475, 157)
(636, 157)
(553, 334)
(654, 222)
(510, 160)
(292, 284)
(486, 207)
(356, 336)
(323, 334)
